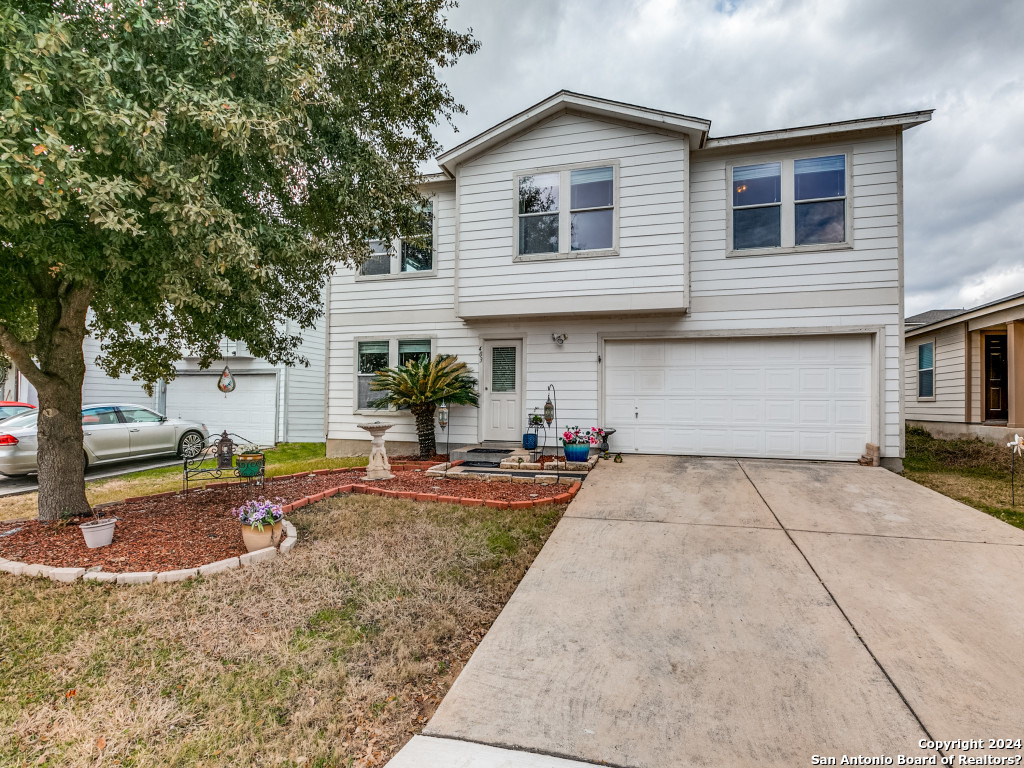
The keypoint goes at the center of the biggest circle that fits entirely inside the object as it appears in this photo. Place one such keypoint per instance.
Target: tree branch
(21, 354)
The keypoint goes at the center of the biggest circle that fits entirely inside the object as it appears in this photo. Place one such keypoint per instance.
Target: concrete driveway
(719, 612)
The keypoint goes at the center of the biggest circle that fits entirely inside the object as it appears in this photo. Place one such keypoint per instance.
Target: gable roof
(694, 127)
(1007, 302)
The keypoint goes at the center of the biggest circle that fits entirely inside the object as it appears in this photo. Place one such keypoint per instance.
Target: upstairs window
(566, 212)
(538, 213)
(926, 370)
(790, 203)
(411, 253)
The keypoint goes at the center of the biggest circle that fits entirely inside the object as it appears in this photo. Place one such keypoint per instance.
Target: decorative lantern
(549, 411)
(226, 382)
(442, 417)
(225, 451)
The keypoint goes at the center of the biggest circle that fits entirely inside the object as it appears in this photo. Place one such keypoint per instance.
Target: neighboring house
(270, 403)
(964, 370)
(735, 296)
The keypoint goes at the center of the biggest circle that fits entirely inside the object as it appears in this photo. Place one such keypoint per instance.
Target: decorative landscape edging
(71, 574)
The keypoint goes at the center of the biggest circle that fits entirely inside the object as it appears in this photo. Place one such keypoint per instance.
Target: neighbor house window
(566, 211)
(375, 355)
(412, 253)
(926, 370)
(792, 202)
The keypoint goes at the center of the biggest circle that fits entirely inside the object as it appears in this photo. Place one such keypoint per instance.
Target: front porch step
(490, 452)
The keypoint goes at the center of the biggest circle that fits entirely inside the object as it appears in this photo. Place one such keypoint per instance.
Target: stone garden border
(71, 575)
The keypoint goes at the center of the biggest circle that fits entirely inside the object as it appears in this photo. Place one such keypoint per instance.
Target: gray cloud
(750, 65)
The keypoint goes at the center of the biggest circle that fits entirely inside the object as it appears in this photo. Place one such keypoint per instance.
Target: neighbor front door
(996, 390)
(503, 390)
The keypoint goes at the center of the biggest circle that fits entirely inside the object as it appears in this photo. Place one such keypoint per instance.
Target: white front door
(503, 390)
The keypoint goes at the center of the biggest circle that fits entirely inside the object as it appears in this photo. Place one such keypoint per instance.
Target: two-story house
(735, 296)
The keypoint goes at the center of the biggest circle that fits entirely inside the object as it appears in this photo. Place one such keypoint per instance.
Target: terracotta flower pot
(255, 539)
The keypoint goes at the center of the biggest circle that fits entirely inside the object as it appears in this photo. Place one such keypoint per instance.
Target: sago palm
(420, 387)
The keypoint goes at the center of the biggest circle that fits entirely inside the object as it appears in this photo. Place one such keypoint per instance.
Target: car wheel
(190, 445)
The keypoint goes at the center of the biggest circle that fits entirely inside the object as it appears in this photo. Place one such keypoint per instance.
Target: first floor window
(376, 355)
(926, 370)
(373, 357)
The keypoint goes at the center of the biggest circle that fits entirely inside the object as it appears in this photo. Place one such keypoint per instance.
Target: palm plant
(420, 385)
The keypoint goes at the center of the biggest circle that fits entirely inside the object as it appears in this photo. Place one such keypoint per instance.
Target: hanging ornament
(226, 382)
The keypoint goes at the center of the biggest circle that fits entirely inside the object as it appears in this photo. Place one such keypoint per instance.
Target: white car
(112, 432)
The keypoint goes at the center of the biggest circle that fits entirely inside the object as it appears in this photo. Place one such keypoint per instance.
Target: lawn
(968, 470)
(286, 459)
(332, 656)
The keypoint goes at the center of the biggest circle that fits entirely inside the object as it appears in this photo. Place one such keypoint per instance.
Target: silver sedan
(112, 432)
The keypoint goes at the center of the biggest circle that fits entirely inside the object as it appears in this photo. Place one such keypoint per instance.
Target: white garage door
(802, 397)
(249, 411)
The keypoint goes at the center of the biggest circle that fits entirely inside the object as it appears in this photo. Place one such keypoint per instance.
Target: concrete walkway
(715, 612)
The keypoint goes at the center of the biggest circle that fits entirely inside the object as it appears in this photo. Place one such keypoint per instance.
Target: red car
(10, 408)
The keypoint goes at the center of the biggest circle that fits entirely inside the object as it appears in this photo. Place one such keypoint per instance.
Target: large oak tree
(176, 171)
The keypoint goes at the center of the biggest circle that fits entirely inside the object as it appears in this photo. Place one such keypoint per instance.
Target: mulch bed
(437, 458)
(173, 531)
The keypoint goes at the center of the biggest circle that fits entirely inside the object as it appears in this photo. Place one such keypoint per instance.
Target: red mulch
(471, 489)
(545, 459)
(437, 458)
(163, 533)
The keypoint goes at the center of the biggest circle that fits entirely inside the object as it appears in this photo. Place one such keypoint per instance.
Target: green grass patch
(969, 470)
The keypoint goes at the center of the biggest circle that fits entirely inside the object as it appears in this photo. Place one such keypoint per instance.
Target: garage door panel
(249, 411)
(786, 398)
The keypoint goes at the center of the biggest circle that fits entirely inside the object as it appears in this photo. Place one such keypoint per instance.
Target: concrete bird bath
(379, 468)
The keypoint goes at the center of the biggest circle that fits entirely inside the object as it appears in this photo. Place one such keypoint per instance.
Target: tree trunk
(425, 429)
(57, 372)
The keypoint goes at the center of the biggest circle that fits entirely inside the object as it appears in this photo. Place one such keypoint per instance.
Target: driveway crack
(835, 602)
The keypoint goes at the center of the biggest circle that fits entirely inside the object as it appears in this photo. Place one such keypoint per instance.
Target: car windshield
(21, 420)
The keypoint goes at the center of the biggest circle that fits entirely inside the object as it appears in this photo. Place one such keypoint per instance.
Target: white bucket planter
(98, 533)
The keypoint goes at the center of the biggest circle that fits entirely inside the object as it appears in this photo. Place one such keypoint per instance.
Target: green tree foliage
(420, 386)
(175, 171)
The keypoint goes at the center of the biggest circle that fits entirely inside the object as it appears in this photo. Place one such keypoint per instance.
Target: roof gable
(563, 101)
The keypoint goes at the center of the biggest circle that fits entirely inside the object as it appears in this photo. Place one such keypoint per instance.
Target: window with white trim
(926, 370)
(411, 253)
(790, 203)
(549, 224)
(374, 355)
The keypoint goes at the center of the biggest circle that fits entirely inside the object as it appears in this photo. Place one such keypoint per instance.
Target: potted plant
(250, 461)
(261, 523)
(576, 442)
(98, 532)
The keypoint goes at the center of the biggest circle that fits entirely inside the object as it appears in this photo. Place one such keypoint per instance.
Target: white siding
(302, 392)
(950, 376)
(652, 192)
(100, 388)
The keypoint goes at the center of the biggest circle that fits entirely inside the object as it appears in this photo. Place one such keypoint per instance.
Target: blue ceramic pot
(576, 452)
(530, 441)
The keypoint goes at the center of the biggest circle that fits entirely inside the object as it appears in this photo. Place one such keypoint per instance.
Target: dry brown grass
(335, 655)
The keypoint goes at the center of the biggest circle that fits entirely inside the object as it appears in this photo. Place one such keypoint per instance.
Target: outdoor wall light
(560, 338)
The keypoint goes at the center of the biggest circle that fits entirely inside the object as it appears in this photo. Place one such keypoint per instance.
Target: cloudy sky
(751, 65)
